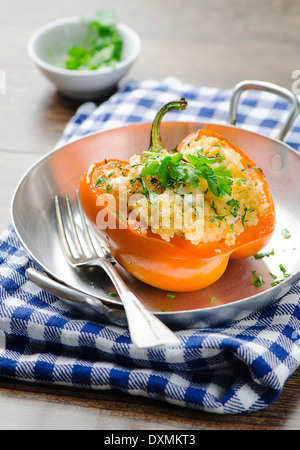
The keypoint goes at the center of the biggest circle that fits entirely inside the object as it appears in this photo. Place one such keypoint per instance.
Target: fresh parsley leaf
(165, 167)
(224, 179)
(172, 170)
(151, 167)
(197, 162)
(219, 179)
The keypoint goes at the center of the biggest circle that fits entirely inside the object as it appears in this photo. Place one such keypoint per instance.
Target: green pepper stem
(156, 144)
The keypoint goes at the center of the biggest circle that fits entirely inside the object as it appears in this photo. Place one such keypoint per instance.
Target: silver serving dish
(235, 296)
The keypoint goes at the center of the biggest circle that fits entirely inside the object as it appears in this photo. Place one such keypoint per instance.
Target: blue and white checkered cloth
(240, 367)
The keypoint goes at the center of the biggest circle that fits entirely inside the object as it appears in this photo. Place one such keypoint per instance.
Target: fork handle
(76, 297)
(146, 330)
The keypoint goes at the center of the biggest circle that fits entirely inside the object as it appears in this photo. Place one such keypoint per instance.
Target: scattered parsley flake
(263, 255)
(111, 173)
(108, 188)
(243, 216)
(145, 189)
(257, 168)
(257, 280)
(234, 206)
(283, 270)
(286, 234)
(100, 180)
(119, 216)
(171, 296)
(285, 276)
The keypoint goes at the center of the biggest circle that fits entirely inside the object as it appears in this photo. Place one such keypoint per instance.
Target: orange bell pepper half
(176, 265)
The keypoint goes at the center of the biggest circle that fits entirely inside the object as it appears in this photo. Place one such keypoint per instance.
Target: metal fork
(146, 330)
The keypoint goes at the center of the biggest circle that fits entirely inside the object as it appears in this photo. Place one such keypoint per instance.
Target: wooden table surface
(207, 43)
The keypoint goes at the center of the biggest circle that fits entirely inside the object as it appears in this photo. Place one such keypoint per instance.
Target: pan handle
(269, 87)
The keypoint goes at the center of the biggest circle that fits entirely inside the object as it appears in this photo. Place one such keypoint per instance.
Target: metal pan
(234, 295)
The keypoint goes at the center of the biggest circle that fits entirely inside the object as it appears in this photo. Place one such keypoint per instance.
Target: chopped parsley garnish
(263, 255)
(252, 168)
(111, 172)
(285, 275)
(108, 188)
(240, 181)
(100, 180)
(283, 270)
(219, 218)
(119, 216)
(212, 299)
(145, 189)
(257, 280)
(172, 170)
(274, 283)
(113, 294)
(101, 47)
(171, 296)
(243, 216)
(235, 205)
(194, 208)
(286, 234)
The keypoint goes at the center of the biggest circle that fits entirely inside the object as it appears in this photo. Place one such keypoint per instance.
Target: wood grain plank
(206, 43)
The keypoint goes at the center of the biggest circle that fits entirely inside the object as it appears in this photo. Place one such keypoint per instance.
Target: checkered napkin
(240, 367)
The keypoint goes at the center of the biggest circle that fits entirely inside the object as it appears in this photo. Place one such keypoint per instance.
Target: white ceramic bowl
(51, 42)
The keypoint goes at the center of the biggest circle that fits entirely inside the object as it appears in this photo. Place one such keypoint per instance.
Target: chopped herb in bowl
(85, 58)
(102, 46)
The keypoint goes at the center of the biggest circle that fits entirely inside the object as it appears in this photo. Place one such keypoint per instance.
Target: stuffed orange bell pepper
(173, 219)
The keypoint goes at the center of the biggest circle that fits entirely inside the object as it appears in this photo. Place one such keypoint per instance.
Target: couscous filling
(202, 193)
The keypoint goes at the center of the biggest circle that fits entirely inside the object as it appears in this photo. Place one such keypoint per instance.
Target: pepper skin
(177, 265)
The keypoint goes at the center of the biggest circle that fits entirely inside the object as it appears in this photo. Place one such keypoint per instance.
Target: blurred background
(203, 42)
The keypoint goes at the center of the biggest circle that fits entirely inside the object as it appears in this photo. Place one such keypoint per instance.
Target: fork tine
(85, 227)
(102, 249)
(61, 228)
(77, 242)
